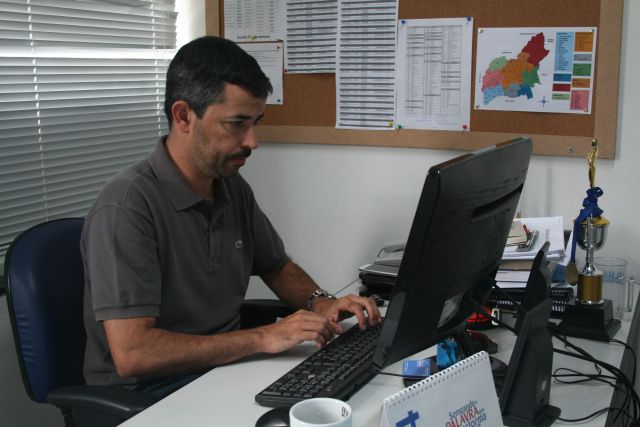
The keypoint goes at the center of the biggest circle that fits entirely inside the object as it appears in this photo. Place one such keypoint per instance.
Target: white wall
(190, 21)
(336, 205)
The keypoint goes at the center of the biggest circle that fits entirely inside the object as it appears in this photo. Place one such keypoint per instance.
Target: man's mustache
(245, 152)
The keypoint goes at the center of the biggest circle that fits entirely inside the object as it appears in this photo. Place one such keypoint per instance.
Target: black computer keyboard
(338, 370)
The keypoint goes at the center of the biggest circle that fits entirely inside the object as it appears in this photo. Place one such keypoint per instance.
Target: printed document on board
(433, 74)
(365, 68)
(270, 59)
(254, 20)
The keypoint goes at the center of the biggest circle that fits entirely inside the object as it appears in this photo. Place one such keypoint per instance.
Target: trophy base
(593, 322)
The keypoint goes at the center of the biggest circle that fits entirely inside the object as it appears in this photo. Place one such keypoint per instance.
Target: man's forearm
(291, 284)
(150, 350)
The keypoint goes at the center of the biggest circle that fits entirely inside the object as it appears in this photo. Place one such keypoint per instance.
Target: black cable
(631, 396)
(580, 378)
(592, 415)
(584, 377)
(633, 374)
(595, 366)
(480, 309)
(590, 377)
(627, 417)
(633, 355)
(586, 356)
(406, 377)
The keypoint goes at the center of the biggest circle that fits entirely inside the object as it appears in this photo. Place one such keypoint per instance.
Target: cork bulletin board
(308, 114)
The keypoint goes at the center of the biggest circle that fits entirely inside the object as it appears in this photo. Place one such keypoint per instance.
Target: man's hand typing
(301, 326)
(363, 308)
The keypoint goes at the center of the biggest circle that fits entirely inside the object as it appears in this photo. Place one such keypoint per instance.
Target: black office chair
(45, 281)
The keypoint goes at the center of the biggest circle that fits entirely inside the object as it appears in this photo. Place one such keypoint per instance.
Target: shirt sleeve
(121, 260)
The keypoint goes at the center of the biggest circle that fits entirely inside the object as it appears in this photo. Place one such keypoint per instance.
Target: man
(170, 242)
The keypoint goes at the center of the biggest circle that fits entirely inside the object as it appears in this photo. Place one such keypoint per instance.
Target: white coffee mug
(320, 412)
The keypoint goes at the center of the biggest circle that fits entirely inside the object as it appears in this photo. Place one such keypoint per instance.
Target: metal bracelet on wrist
(317, 294)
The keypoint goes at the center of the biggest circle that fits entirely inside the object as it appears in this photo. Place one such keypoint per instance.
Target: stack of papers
(517, 234)
(543, 229)
(512, 278)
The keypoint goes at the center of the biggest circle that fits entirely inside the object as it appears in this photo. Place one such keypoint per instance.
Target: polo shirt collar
(176, 188)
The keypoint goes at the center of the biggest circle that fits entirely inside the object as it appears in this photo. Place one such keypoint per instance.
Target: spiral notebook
(461, 395)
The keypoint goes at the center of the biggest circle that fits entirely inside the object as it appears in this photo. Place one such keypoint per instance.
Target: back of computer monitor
(455, 245)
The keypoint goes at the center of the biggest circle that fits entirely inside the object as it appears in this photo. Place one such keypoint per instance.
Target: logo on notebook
(467, 415)
(238, 244)
(409, 421)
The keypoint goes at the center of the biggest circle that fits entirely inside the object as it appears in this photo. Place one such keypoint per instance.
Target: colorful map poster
(547, 70)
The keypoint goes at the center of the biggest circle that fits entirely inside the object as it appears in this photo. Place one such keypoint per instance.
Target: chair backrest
(45, 284)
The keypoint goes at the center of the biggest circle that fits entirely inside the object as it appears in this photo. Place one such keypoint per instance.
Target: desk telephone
(384, 269)
(390, 255)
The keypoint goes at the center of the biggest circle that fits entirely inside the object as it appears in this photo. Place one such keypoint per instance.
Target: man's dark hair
(198, 72)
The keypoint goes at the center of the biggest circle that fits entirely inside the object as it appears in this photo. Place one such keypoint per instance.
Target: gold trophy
(592, 237)
(590, 316)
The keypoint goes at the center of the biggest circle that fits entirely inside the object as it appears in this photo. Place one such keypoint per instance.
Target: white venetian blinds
(81, 97)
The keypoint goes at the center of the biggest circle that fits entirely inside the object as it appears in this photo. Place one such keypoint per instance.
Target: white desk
(225, 395)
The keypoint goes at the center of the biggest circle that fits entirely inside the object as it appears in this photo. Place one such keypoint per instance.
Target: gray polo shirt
(152, 247)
